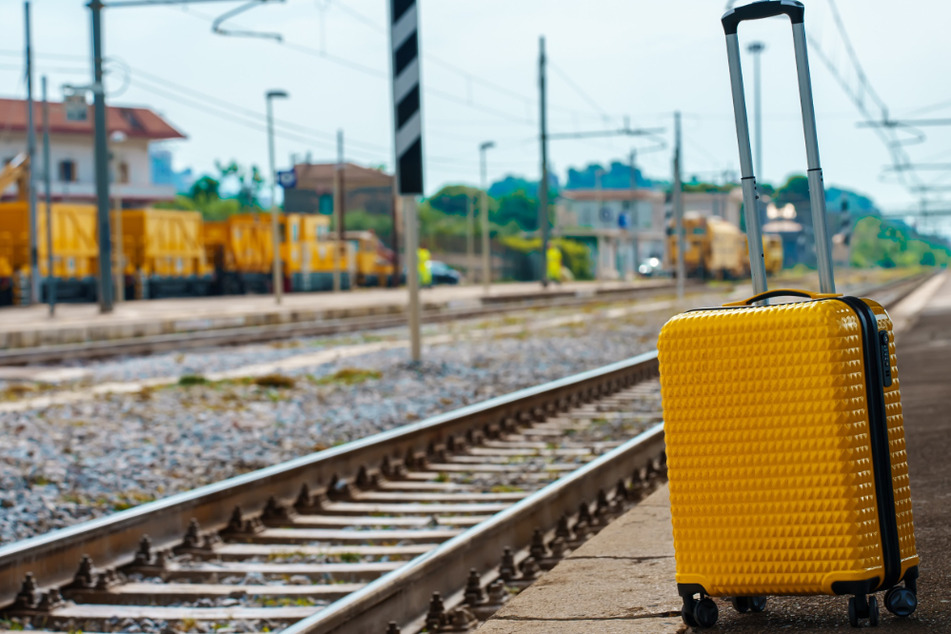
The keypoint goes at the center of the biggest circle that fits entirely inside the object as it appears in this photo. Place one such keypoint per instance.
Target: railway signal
(408, 141)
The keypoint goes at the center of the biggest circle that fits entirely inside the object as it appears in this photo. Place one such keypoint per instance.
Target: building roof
(612, 194)
(140, 123)
(315, 175)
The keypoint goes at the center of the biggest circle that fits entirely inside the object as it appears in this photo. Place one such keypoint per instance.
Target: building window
(67, 171)
(122, 173)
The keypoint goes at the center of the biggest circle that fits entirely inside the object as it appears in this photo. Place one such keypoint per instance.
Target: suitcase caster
(702, 613)
(862, 608)
(901, 601)
(748, 604)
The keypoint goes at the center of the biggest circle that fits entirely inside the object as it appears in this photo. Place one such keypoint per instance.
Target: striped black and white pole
(408, 143)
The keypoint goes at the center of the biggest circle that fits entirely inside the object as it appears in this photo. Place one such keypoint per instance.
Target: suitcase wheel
(748, 604)
(862, 608)
(900, 601)
(705, 612)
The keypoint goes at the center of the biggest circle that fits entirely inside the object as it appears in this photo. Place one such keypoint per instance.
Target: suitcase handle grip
(759, 10)
(782, 292)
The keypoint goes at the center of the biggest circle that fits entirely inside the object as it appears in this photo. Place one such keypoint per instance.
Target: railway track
(491, 305)
(400, 527)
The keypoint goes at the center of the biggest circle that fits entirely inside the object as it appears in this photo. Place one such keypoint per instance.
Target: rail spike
(26, 597)
(308, 503)
(237, 525)
(459, 619)
(275, 513)
(436, 617)
(474, 594)
(85, 575)
(507, 566)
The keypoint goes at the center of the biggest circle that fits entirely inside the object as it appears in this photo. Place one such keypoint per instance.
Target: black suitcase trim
(881, 455)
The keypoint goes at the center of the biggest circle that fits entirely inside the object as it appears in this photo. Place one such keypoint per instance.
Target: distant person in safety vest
(422, 263)
(553, 261)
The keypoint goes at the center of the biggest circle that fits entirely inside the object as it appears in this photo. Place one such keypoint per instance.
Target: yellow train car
(311, 255)
(163, 253)
(773, 253)
(75, 250)
(717, 249)
(374, 262)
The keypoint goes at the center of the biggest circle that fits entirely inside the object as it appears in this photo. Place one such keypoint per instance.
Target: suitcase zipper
(878, 375)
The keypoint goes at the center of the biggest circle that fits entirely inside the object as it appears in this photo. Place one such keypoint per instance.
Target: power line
(587, 98)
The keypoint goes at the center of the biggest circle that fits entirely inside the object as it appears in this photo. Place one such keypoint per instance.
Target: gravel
(66, 463)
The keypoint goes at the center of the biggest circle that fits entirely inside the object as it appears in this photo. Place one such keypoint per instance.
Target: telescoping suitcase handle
(731, 20)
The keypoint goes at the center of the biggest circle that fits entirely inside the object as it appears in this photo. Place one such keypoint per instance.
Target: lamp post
(484, 210)
(756, 48)
(278, 278)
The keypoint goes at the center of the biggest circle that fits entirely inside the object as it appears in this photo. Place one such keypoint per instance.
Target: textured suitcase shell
(768, 449)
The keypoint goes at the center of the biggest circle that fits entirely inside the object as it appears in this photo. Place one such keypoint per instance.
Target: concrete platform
(617, 582)
(622, 581)
(30, 326)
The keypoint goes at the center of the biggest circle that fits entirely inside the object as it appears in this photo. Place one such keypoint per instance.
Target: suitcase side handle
(759, 10)
(782, 292)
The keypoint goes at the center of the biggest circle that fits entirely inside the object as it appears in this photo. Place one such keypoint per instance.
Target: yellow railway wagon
(163, 253)
(695, 228)
(240, 251)
(75, 250)
(309, 254)
(373, 267)
(773, 253)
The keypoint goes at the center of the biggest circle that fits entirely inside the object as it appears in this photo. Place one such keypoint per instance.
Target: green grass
(279, 381)
(192, 379)
(349, 376)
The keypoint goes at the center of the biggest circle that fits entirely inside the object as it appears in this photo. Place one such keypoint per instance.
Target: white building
(726, 205)
(72, 161)
(622, 226)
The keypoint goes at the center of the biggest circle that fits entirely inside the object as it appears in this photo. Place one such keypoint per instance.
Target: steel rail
(399, 595)
(111, 541)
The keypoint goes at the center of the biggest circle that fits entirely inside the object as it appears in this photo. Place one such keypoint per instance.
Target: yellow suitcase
(786, 454)
(785, 443)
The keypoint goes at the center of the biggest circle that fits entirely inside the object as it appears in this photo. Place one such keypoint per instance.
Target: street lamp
(756, 48)
(278, 278)
(484, 210)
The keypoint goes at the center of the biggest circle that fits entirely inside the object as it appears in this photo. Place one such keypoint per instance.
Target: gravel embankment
(67, 463)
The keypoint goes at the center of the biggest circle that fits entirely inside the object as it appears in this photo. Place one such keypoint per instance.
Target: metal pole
(340, 245)
(47, 177)
(277, 277)
(120, 272)
(632, 222)
(484, 204)
(31, 154)
(678, 203)
(543, 185)
(395, 241)
(756, 48)
(470, 237)
(102, 163)
(408, 204)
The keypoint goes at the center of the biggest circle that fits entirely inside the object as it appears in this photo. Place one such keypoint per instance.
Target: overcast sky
(609, 59)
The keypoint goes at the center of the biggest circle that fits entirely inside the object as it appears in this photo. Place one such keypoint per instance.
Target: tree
(519, 208)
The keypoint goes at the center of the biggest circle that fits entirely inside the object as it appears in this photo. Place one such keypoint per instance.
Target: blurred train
(169, 253)
(716, 249)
